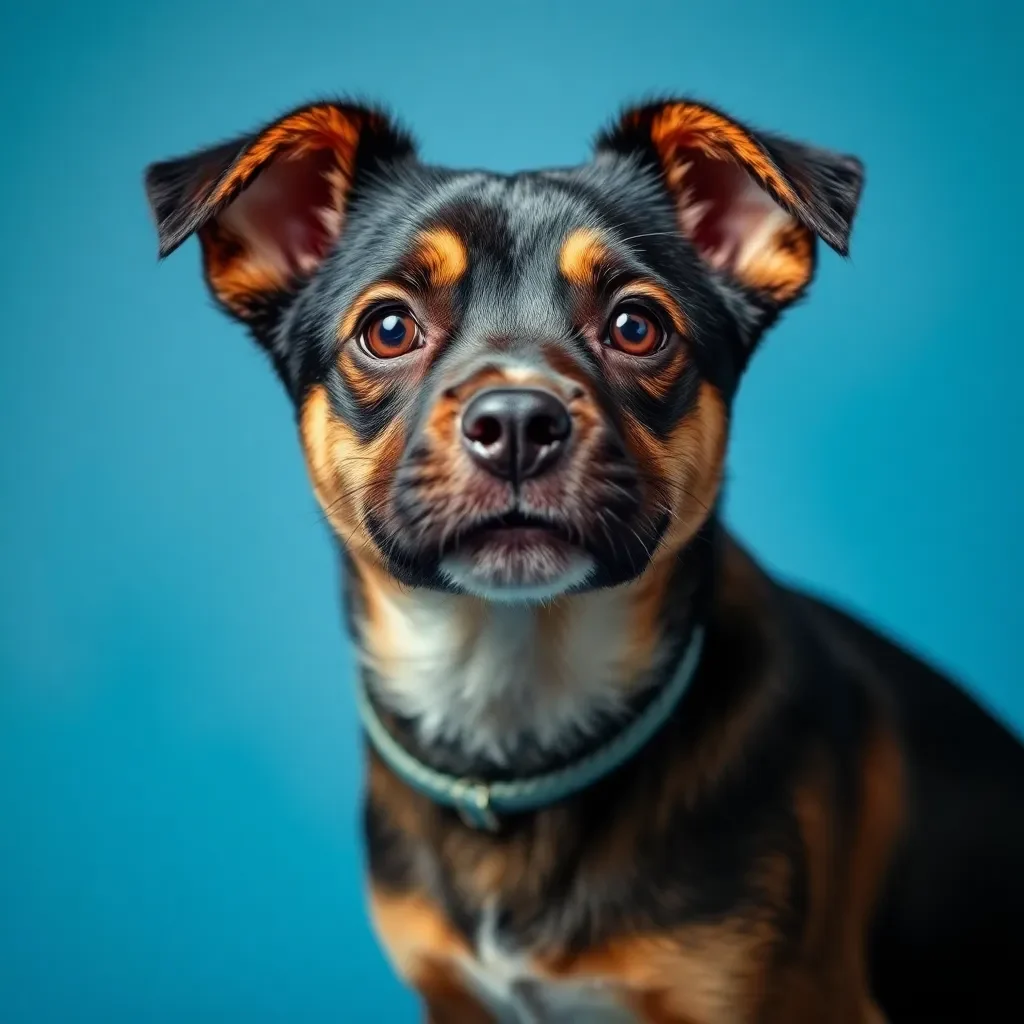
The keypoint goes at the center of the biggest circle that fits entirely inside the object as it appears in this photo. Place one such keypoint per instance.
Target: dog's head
(513, 386)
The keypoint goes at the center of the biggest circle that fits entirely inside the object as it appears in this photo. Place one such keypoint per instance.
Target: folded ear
(269, 206)
(751, 203)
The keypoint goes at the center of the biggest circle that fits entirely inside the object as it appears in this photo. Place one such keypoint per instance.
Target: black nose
(516, 433)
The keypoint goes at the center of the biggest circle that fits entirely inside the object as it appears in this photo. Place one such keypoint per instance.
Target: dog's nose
(516, 433)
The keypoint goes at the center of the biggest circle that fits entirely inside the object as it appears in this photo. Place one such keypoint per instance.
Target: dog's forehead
(512, 229)
(518, 216)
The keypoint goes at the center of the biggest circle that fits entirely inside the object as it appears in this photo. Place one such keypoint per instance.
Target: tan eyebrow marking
(379, 292)
(443, 256)
(662, 297)
(581, 256)
(439, 252)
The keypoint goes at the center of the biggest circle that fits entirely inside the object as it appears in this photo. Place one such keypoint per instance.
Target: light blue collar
(480, 803)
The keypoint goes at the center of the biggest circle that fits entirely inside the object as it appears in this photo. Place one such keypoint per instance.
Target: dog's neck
(494, 690)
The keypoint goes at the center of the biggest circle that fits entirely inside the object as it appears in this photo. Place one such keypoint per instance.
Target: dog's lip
(513, 523)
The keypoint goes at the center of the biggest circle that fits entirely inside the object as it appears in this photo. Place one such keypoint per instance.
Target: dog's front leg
(425, 952)
(822, 1004)
(446, 1001)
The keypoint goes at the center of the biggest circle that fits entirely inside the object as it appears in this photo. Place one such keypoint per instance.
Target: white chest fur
(515, 992)
(485, 676)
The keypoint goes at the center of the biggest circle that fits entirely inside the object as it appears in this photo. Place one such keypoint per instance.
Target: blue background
(179, 765)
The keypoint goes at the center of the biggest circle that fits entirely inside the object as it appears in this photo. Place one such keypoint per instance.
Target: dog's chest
(515, 991)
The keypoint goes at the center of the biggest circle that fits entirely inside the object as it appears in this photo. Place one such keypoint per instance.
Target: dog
(615, 771)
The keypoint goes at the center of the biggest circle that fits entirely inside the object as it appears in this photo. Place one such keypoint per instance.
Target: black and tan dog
(615, 771)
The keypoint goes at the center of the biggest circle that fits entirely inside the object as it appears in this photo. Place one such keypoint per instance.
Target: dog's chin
(517, 565)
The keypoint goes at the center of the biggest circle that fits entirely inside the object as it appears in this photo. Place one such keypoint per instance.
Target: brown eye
(634, 331)
(390, 333)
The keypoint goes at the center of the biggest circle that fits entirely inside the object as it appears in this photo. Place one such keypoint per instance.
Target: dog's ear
(751, 203)
(269, 206)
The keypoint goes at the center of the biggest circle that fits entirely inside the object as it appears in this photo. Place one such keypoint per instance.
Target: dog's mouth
(517, 555)
(513, 525)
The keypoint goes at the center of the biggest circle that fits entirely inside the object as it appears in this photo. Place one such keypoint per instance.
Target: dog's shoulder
(949, 922)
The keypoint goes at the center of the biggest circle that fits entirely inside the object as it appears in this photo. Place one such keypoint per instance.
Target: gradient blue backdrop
(179, 766)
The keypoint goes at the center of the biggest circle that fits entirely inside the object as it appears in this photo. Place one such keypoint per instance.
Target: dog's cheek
(443, 473)
(645, 448)
(372, 392)
(349, 478)
(693, 460)
(659, 386)
(439, 429)
(683, 471)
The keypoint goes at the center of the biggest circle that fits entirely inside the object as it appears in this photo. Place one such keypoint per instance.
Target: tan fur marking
(781, 262)
(689, 461)
(371, 389)
(348, 477)
(440, 428)
(448, 1002)
(581, 256)
(646, 597)
(704, 974)
(382, 291)
(802, 996)
(714, 973)
(782, 265)
(323, 127)
(811, 803)
(423, 947)
(693, 460)
(721, 974)
(443, 255)
(235, 278)
(662, 297)
(831, 976)
(238, 273)
(658, 385)
(882, 815)
(690, 126)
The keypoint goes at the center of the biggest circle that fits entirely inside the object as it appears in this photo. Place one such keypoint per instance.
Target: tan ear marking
(751, 204)
(269, 206)
(302, 133)
(686, 126)
(781, 265)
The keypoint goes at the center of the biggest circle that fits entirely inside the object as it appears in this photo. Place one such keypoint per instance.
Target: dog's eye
(390, 333)
(635, 331)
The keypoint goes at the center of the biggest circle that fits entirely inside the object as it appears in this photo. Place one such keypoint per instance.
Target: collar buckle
(473, 803)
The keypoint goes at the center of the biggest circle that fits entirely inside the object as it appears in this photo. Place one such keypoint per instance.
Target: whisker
(652, 234)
